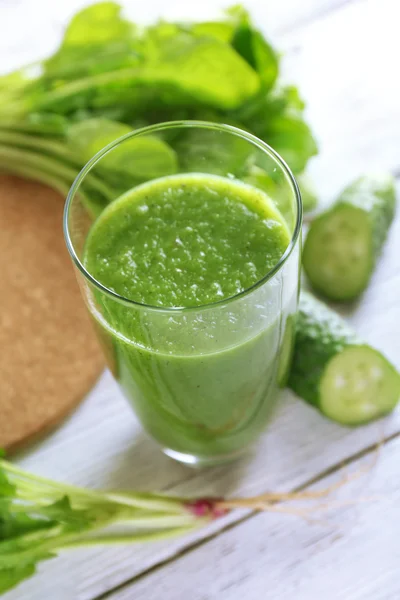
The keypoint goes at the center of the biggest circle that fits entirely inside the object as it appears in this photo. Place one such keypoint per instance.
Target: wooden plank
(102, 445)
(274, 556)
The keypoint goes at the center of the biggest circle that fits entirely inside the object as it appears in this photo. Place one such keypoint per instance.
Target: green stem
(40, 161)
(157, 521)
(129, 539)
(84, 84)
(62, 488)
(31, 508)
(54, 127)
(45, 537)
(46, 164)
(11, 138)
(145, 501)
(53, 541)
(35, 175)
(148, 501)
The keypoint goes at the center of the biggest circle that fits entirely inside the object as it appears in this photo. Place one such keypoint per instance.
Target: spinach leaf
(98, 23)
(207, 69)
(206, 151)
(98, 39)
(139, 158)
(254, 48)
(292, 138)
(277, 118)
(265, 180)
(110, 76)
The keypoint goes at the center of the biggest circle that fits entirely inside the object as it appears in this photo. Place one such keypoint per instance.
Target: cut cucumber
(343, 244)
(347, 380)
(358, 385)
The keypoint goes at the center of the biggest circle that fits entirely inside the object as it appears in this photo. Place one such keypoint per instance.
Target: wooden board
(349, 84)
(49, 355)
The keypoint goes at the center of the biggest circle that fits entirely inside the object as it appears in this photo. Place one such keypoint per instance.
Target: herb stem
(27, 484)
(35, 174)
(128, 539)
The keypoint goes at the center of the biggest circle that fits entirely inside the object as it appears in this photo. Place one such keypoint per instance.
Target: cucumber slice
(343, 244)
(347, 380)
(358, 385)
(337, 255)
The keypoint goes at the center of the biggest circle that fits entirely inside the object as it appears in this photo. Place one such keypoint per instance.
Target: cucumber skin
(375, 195)
(320, 335)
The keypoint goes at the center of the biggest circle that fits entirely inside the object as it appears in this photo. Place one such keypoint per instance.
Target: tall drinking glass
(203, 380)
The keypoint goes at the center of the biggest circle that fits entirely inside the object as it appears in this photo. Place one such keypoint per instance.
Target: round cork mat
(49, 355)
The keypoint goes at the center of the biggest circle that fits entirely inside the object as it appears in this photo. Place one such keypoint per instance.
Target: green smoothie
(203, 379)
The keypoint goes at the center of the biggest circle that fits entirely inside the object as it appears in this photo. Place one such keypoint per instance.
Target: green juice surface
(203, 382)
(186, 240)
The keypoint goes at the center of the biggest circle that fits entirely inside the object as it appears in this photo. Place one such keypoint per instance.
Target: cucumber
(347, 380)
(343, 244)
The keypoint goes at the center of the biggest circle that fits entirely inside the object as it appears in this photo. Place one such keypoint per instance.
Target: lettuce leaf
(277, 118)
(254, 48)
(110, 76)
(140, 158)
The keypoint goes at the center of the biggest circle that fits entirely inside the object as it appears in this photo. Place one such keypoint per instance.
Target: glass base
(199, 462)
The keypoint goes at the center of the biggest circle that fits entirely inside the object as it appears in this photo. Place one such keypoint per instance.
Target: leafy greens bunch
(111, 76)
(39, 517)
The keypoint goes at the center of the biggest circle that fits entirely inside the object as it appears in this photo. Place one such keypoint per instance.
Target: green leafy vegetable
(281, 195)
(110, 76)
(141, 158)
(254, 48)
(220, 30)
(39, 517)
(98, 23)
(205, 150)
(277, 118)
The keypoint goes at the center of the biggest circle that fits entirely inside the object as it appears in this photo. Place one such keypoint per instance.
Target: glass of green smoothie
(190, 272)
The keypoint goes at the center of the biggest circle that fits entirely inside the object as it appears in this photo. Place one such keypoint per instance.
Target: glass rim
(162, 127)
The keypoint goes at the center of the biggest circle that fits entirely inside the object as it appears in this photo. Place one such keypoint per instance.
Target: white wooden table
(344, 54)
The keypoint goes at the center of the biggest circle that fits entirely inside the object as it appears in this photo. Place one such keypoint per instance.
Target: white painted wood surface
(354, 553)
(344, 56)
